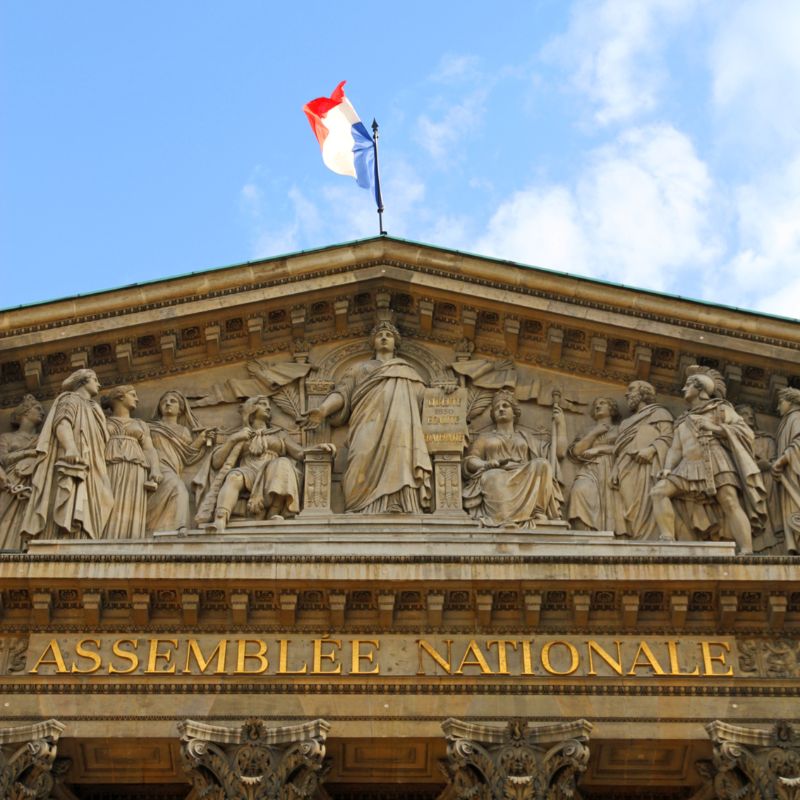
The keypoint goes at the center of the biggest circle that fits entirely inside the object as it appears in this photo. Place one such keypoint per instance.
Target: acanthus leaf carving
(254, 762)
(517, 761)
(753, 764)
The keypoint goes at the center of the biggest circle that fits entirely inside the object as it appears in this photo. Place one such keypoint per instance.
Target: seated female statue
(511, 480)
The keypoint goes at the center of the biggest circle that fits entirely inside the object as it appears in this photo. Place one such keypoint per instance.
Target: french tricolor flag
(347, 148)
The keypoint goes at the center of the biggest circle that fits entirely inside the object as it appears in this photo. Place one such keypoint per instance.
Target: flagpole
(378, 195)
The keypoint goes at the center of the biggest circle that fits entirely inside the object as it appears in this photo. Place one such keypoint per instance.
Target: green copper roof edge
(518, 264)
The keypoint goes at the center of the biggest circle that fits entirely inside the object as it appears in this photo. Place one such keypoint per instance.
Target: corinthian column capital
(254, 762)
(27, 754)
(515, 761)
(754, 763)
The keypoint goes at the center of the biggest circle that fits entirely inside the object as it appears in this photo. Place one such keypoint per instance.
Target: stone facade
(384, 488)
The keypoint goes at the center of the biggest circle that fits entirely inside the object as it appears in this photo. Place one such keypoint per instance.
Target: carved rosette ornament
(752, 764)
(27, 754)
(254, 762)
(516, 761)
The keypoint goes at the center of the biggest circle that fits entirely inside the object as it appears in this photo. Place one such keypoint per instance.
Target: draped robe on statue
(17, 457)
(789, 484)
(127, 471)
(591, 499)
(524, 488)
(649, 426)
(168, 505)
(71, 499)
(388, 466)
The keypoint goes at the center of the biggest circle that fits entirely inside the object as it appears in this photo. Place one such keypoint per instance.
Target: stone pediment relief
(395, 425)
(490, 407)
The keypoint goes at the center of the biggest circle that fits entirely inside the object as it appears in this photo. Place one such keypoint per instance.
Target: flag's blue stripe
(364, 156)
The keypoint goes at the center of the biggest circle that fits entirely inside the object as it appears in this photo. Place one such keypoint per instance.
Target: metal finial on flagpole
(378, 195)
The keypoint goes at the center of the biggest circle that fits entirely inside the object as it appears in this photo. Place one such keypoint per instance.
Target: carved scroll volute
(515, 762)
(752, 764)
(254, 762)
(26, 760)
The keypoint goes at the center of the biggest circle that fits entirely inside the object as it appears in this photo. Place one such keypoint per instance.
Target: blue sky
(651, 142)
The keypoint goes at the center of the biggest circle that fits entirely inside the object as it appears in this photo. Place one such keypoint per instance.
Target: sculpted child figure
(388, 466)
(18, 459)
(179, 441)
(70, 491)
(511, 479)
(786, 469)
(133, 466)
(255, 459)
(591, 500)
(710, 467)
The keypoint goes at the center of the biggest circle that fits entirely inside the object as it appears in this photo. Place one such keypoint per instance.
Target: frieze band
(418, 444)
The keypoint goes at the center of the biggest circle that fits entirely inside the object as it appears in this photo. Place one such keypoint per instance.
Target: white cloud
(268, 238)
(768, 257)
(439, 137)
(639, 214)
(456, 68)
(614, 51)
(755, 64)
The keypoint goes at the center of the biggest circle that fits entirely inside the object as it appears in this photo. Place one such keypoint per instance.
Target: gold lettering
(357, 656)
(194, 650)
(615, 664)
(447, 665)
(155, 656)
(133, 658)
(502, 656)
(329, 656)
(478, 661)
(283, 659)
(674, 664)
(709, 659)
(57, 659)
(242, 657)
(527, 663)
(650, 660)
(575, 659)
(82, 652)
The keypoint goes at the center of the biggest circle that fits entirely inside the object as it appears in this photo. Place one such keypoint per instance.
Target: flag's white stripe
(337, 149)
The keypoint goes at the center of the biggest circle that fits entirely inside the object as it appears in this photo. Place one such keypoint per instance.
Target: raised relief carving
(516, 761)
(710, 468)
(786, 469)
(255, 762)
(770, 658)
(133, 464)
(17, 462)
(592, 499)
(27, 754)
(764, 452)
(512, 475)
(388, 467)
(71, 493)
(180, 441)
(259, 464)
(639, 452)
(265, 379)
(753, 764)
(13, 654)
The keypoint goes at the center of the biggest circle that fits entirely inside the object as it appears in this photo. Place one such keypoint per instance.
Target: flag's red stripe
(315, 110)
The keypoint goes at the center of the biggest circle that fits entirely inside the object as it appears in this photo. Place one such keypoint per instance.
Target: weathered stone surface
(254, 762)
(516, 761)
(27, 754)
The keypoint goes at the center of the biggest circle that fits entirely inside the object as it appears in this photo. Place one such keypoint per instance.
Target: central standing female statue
(388, 466)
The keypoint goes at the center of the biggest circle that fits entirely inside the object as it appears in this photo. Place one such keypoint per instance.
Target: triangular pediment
(175, 328)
